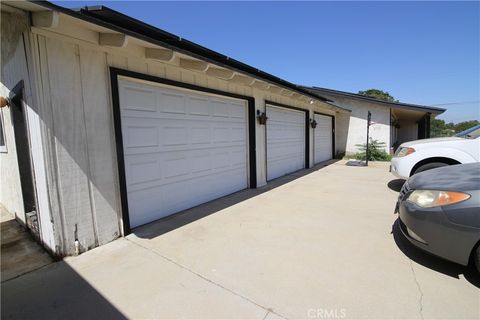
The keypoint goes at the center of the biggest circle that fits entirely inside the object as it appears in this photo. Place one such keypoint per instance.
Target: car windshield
(471, 133)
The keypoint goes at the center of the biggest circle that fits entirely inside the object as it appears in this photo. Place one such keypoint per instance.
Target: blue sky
(421, 52)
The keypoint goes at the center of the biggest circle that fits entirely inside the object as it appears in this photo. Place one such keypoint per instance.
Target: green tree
(378, 94)
(438, 127)
(459, 127)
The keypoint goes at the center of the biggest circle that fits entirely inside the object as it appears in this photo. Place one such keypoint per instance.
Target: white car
(421, 155)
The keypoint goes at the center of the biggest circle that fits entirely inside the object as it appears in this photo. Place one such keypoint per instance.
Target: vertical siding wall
(79, 133)
(17, 66)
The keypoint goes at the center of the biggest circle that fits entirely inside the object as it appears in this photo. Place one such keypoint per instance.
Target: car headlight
(402, 152)
(435, 198)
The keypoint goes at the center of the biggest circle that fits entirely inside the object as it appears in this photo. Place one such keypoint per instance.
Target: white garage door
(323, 138)
(181, 148)
(285, 141)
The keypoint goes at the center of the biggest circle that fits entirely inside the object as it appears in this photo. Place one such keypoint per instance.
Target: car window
(473, 135)
(470, 133)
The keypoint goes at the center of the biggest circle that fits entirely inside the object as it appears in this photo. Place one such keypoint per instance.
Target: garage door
(181, 148)
(285, 141)
(323, 142)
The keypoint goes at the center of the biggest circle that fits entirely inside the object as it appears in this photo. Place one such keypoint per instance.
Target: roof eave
(124, 24)
(399, 105)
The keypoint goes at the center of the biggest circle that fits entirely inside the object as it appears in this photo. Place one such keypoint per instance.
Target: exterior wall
(75, 105)
(13, 24)
(357, 124)
(408, 131)
(16, 54)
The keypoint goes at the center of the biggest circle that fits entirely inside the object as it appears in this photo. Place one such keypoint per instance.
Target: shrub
(376, 151)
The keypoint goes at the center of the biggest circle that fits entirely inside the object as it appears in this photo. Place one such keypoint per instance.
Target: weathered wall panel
(99, 141)
(70, 143)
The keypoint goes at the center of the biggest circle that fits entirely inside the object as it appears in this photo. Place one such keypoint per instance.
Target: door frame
(19, 120)
(307, 133)
(333, 134)
(114, 75)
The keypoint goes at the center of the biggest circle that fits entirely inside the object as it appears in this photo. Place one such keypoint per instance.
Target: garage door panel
(323, 138)
(141, 136)
(139, 99)
(191, 149)
(160, 201)
(285, 141)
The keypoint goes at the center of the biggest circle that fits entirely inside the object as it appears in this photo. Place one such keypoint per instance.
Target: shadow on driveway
(180, 219)
(55, 291)
(432, 262)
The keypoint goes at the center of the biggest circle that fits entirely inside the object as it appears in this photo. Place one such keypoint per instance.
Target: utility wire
(454, 103)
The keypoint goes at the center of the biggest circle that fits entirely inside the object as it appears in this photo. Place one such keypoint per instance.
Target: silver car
(439, 212)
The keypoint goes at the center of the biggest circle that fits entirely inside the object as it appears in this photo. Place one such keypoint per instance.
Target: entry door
(285, 141)
(323, 140)
(181, 148)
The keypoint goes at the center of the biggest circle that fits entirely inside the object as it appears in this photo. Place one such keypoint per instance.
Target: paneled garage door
(323, 142)
(181, 148)
(285, 141)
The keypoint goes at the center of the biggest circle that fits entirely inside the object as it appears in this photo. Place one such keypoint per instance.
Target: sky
(425, 53)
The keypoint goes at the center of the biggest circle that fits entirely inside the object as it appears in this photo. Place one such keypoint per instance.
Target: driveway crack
(266, 314)
(268, 310)
(420, 300)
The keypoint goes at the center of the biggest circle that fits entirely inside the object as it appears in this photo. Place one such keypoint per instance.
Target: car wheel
(476, 258)
(429, 166)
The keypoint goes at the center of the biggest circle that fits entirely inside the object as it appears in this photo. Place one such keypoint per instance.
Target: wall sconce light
(4, 102)
(313, 123)
(262, 117)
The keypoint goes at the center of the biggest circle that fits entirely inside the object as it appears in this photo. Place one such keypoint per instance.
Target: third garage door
(323, 141)
(285, 141)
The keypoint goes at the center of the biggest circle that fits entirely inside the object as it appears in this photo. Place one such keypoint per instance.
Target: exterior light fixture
(4, 102)
(313, 123)
(311, 101)
(262, 117)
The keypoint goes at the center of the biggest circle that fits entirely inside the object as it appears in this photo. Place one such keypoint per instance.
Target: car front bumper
(430, 230)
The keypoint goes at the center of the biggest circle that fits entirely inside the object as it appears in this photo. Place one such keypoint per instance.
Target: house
(392, 122)
(109, 123)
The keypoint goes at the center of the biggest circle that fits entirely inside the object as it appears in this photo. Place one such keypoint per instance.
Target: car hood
(461, 177)
(431, 140)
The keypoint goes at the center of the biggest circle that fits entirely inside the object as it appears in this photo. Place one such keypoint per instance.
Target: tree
(378, 94)
(438, 127)
(461, 126)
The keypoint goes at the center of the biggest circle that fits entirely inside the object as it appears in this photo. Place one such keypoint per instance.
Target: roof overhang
(392, 105)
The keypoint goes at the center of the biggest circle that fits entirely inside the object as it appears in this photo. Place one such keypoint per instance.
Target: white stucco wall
(13, 24)
(357, 124)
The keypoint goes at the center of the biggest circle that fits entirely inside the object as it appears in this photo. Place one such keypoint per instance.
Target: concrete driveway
(320, 244)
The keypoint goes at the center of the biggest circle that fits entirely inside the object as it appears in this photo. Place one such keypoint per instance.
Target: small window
(3, 143)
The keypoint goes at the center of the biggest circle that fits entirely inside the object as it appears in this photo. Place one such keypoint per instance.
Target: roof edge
(430, 109)
(117, 21)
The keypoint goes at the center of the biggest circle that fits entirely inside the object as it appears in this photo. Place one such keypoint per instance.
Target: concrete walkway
(20, 253)
(320, 244)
